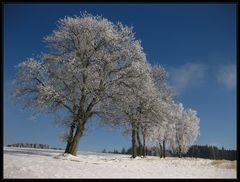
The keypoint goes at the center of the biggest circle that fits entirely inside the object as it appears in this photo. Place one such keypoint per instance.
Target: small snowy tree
(90, 58)
(186, 129)
(191, 129)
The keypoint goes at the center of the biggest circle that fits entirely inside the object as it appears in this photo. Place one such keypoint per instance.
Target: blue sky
(196, 43)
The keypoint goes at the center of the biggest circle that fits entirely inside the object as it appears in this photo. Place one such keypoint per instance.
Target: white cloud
(226, 75)
(189, 74)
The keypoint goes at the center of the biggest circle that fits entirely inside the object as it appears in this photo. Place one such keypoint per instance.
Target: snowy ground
(41, 163)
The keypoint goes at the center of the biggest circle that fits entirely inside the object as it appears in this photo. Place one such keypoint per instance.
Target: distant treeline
(200, 151)
(33, 145)
(211, 152)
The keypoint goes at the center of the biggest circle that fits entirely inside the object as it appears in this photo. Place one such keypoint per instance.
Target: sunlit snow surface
(42, 163)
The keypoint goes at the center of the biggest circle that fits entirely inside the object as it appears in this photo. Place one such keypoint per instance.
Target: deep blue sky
(196, 43)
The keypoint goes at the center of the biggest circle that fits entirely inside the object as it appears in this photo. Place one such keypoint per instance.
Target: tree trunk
(192, 151)
(139, 143)
(70, 138)
(179, 152)
(144, 146)
(163, 148)
(160, 150)
(76, 139)
(134, 147)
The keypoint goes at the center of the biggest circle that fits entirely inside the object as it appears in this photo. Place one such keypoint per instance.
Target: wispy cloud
(226, 75)
(189, 74)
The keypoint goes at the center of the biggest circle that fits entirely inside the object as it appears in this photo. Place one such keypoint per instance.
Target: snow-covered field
(41, 163)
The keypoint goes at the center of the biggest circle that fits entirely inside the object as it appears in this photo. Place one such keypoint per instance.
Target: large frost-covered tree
(90, 59)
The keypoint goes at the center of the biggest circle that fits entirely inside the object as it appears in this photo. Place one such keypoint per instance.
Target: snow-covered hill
(43, 163)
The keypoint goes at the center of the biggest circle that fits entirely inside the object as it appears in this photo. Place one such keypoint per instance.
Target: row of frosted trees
(97, 68)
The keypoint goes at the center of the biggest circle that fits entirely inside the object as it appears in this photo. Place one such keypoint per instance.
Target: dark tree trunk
(192, 151)
(139, 142)
(70, 138)
(76, 139)
(163, 148)
(134, 147)
(179, 152)
(160, 150)
(144, 146)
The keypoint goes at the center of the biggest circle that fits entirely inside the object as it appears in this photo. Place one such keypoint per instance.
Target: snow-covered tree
(146, 115)
(145, 106)
(90, 60)
(160, 126)
(186, 129)
(126, 105)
